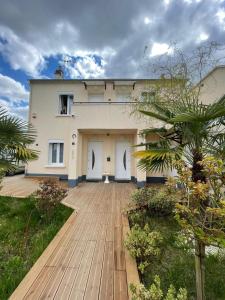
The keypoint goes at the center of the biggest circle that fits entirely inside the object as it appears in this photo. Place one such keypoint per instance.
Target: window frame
(70, 100)
(150, 93)
(57, 163)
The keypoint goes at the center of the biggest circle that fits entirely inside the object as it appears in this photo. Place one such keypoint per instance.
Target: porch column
(73, 161)
(141, 175)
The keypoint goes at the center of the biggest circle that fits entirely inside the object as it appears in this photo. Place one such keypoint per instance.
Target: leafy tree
(201, 212)
(189, 128)
(15, 137)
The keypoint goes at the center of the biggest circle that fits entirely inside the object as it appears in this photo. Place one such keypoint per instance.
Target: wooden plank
(35, 289)
(87, 259)
(28, 280)
(119, 257)
(107, 281)
(65, 286)
(120, 285)
(131, 265)
(94, 280)
(79, 285)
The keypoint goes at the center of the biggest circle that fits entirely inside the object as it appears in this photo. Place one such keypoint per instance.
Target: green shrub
(157, 200)
(143, 245)
(49, 196)
(154, 292)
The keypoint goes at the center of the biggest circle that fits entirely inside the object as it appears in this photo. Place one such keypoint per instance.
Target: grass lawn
(24, 234)
(176, 263)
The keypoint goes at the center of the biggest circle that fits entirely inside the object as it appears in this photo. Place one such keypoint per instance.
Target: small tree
(202, 211)
(15, 138)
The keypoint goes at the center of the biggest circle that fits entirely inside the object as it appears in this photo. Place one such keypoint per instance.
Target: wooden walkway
(18, 186)
(86, 260)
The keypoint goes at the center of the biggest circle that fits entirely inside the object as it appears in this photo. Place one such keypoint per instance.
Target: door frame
(129, 177)
(87, 176)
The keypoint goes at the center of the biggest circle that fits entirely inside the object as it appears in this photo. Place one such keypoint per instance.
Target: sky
(96, 39)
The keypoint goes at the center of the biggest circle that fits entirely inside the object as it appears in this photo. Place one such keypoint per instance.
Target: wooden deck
(18, 186)
(22, 186)
(86, 260)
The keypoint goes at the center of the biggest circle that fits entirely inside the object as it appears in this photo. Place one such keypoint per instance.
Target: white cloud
(160, 48)
(147, 20)
(17, 111)
(203, 37)
(221, 15)
(85, 67)
(12, 89)
(13, 97)
(20, 54)
(167, 2)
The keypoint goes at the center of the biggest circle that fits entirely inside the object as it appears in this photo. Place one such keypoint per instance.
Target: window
(147, 96)
(65, 103)
(56, 150)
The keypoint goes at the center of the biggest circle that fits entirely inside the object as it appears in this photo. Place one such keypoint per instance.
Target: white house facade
(86, 129)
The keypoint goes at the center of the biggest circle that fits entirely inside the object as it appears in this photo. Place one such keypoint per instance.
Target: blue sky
(98, 39)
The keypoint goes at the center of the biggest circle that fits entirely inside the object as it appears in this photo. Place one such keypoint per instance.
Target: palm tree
(190, 130)
(15, 137)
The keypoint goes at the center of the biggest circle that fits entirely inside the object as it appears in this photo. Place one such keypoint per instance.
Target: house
(86, 129)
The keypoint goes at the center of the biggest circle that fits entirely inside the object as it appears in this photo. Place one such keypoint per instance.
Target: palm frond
(155, 115)
(15, 137)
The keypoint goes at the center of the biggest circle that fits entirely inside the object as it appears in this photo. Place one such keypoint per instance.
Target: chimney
(59, 73)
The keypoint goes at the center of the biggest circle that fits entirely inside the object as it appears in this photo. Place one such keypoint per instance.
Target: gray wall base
(141, 184)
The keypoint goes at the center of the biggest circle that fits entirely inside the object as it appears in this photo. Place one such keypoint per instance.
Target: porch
(97, 153)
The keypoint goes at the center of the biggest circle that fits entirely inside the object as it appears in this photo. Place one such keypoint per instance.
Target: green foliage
(49, 196)
(143, 244)
(202, 211)
(175, 264)
(23, 238)
(154, 292)
(187, 126)
(15, 137)
(158, 200)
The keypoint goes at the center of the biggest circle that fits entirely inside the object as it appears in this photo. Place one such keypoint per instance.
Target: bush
(157, 200)
(143, 245)
(154, 292)
(49, 196)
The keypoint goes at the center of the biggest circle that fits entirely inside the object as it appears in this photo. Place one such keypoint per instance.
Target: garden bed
(175, 264)
(24, 234)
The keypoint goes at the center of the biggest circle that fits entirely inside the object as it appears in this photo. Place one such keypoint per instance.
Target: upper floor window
(147, 96)
(56, 149)
(95, 97)
(65, 103)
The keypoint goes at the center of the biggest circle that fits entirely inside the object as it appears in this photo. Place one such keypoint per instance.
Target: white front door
(95, 160)
(123, 161)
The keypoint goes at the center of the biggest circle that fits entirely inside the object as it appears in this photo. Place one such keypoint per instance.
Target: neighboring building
(85, 129)
(213, 85)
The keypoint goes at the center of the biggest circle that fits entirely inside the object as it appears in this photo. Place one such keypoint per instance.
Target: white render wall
(94, 117)
(88, 117)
